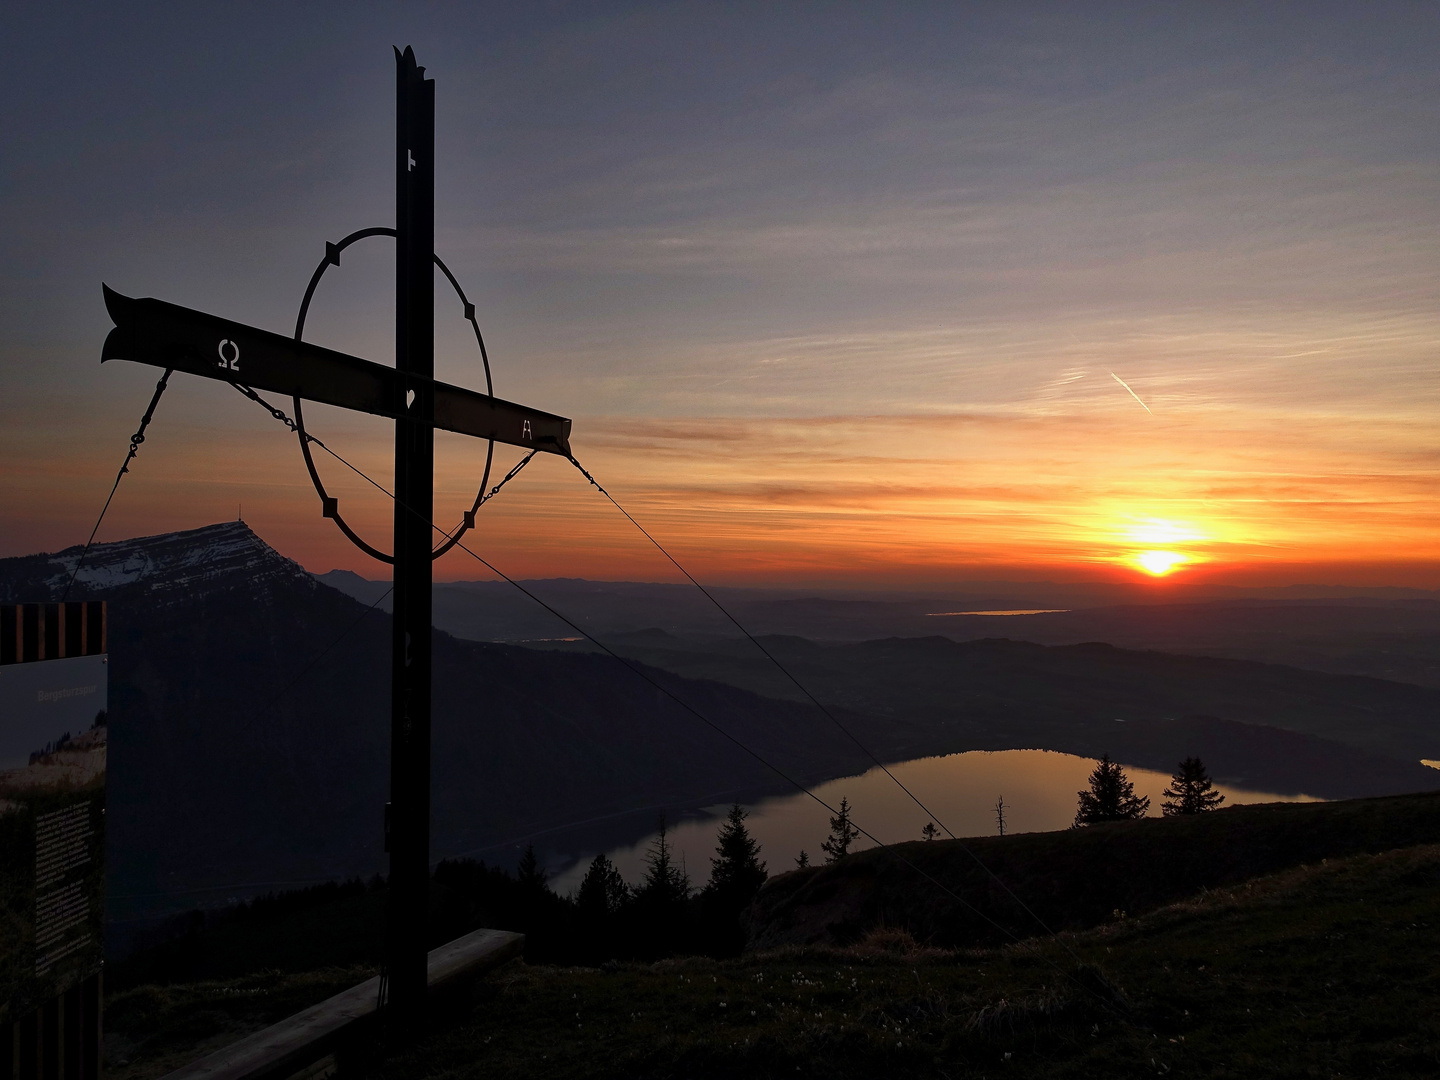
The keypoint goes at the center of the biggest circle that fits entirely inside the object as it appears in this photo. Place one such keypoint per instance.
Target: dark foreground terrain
(1324, 968)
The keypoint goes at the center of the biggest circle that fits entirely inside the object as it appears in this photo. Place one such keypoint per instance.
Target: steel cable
(135, 441)
(815, 701)
(697, 714)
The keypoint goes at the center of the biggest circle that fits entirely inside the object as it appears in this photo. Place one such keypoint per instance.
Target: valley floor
(1320, 971)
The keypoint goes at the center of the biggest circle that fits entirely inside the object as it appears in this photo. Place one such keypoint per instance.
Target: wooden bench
(303, 1042)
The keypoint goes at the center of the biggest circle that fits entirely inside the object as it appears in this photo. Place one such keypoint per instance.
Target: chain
(509, 476)
(272, 410)
(135, 441)
(586, 473)
(279, 414)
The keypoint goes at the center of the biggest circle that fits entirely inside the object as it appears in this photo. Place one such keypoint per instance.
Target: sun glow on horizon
(1160, 563)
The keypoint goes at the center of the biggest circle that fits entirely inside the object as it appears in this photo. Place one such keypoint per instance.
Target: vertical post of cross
(414, 470)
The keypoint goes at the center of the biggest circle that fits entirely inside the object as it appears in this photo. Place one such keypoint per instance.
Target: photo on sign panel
(53, 736)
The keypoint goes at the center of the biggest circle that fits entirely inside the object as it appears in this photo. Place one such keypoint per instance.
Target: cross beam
(155, 332)
(169, 336)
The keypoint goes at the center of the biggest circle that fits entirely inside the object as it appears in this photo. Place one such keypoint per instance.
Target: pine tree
(1190, 790)
(664, 881)
(842, 834)
(602, 890)
(659, 916)
(802, 860)
(929, 832)
(736, 872)
(536, 910)
(600, 906)
(1111, 796)
(530, 874)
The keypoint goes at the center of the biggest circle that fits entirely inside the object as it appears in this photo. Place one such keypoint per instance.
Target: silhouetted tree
(1190, 790)
(842, 834)
(736, 874)
(737, 870)
(802, 860)
(1111, 796)
(659, 913)
(663, 878)
(929, 832)
(530, 875)
(602, 891)
(599, 904)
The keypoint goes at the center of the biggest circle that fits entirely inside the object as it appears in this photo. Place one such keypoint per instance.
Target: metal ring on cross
(331, 507)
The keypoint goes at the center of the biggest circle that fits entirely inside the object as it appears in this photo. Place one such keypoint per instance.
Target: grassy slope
(1073, 878)
(1319, 971)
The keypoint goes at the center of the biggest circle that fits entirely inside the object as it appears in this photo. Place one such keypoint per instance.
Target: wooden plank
(298, 1041)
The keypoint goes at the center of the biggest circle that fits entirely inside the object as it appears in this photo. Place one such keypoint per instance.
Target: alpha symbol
(525, 430)
(232, 361)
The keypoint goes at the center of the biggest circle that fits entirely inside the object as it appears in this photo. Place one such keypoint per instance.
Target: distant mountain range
(1385, 633)
(249, 715)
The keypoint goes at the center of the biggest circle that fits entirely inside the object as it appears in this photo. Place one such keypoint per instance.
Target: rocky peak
(213, 558)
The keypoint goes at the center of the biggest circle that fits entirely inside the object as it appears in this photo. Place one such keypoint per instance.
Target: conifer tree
(664, 881)
(802, 860)
(530, 874)
(659, 916)
(842, 834)
(1190, 790)
(736, 872)
(602, 890)
(929, 832)
(537, 910)
(600, 907)
(1111, 796)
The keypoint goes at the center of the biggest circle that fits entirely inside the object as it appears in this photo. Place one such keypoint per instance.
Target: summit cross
(165, 335)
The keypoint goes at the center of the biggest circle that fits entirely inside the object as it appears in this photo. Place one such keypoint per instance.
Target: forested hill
(236, 765)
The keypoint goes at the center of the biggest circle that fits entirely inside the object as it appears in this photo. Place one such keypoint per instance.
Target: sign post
(165, 335)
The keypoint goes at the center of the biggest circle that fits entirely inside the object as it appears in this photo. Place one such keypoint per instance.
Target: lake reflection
(1039, 788)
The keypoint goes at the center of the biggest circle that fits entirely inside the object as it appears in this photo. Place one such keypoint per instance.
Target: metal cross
(154, 332)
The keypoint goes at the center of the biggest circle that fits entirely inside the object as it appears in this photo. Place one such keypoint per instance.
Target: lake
(1038, 787)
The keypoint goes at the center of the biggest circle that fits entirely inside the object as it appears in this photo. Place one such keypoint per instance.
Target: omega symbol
(231, 362)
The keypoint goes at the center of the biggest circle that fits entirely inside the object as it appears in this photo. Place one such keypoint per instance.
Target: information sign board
(53, 736)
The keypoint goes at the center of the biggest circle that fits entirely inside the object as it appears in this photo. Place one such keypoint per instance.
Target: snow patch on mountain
(221, 556)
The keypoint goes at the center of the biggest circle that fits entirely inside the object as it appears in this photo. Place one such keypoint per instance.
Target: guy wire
(623, 661)
(135, 441)
(813, 700)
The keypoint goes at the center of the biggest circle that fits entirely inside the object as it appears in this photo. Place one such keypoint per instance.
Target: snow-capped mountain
(224, 556)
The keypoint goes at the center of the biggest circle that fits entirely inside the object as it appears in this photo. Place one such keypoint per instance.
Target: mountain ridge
(250, 725)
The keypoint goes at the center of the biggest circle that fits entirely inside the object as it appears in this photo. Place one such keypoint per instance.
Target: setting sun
(1160, 563)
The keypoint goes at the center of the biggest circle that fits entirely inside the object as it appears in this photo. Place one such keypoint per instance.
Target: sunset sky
(835, 293)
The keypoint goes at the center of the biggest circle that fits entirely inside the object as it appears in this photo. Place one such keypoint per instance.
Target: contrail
(1132, 393)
